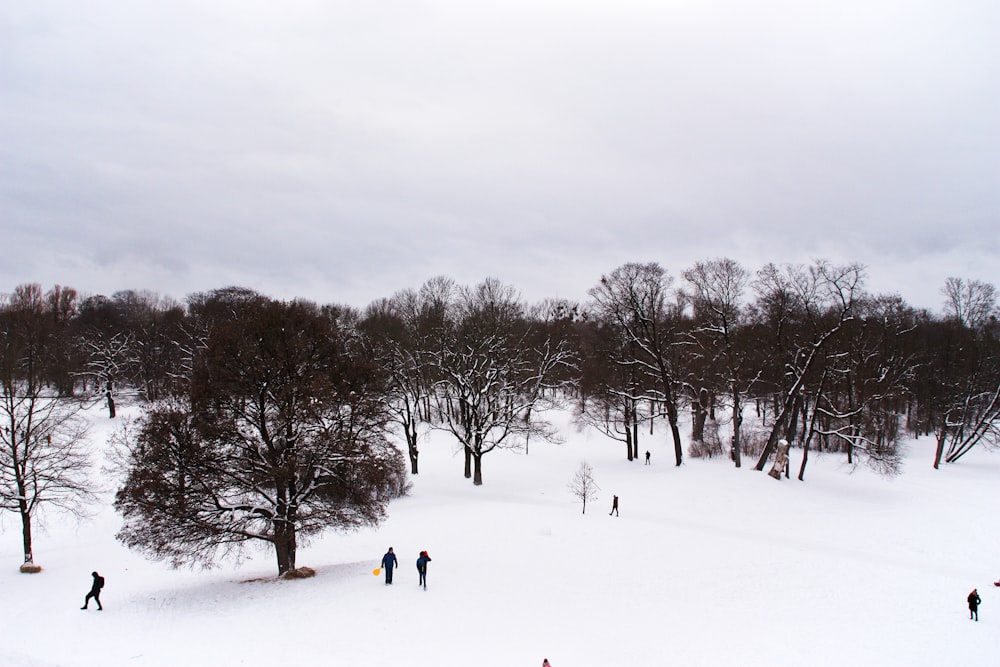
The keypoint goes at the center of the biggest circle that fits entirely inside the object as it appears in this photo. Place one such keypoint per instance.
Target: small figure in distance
(95, 592)
(388, 562)
(974, 602)
(422, 568)
(614, 507)
(647, 457)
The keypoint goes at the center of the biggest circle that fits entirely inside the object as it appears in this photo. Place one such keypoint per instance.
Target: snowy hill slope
(706, 565)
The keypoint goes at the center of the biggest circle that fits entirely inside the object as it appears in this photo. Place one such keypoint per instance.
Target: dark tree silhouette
(283, 438)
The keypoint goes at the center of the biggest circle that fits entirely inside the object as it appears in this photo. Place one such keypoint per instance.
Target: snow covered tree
(806, 308)
(284, 437)
(866, 375)
(43, 455)
(403, 331)
(717, 294)
(963, 370)
(496, 374)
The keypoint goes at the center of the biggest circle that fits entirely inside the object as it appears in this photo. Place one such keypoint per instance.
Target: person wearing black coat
(95, 592)
(974, 602)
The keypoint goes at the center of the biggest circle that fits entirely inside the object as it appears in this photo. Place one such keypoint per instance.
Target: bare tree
(866, 375)
(963, 368)
(403, 331)
(819, 301)
(496, 376)
(610, 389)
(634, 298)
(583, 485)
(718, 286)
(971, 302)
(43, 455)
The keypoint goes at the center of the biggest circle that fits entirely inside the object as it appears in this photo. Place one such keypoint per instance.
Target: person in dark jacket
(95, 592)
(388, 562)
(974, 602)
(422, 568)
(614, 507)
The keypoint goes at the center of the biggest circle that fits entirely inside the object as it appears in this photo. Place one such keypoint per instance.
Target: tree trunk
(410, 430)
(780, 462)
(468, 462)
(26, 532)
(811, 429)
(414, 455)
(737, 423)
(805, 457)
(793, 421)
(700, 408)
(284, 545)
(676, 433)
(477, 478)
(939, 450)
(635, 430)
(633, 449)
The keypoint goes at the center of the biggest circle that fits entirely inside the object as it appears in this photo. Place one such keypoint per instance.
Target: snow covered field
(707, 565)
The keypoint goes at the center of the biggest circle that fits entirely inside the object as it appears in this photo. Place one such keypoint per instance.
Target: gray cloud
(341, 151)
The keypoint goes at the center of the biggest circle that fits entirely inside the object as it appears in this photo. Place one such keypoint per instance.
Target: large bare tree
(636, 298)
(718, 288)
(403, 331)
(496, 374)
(44, 460)
(966, 370)
(810, 306)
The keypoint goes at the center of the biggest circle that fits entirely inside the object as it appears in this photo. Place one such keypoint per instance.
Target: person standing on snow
(388, 562)
(95, 592)
(614, 507)
(974, 602)
(422, 568)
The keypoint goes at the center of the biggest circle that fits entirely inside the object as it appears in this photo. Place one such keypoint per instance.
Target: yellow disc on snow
(377, 571)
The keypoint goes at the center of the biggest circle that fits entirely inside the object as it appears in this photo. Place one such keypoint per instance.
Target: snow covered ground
(706, 565)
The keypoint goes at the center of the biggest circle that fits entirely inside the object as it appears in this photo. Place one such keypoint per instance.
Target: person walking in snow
(974, 602)
(95, 592)
(614, 507)
(388, 562)
(422, 568)
(647, 457)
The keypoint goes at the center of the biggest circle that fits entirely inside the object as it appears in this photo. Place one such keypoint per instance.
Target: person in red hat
(422, 568)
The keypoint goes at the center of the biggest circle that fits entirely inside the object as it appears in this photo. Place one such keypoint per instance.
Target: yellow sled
(377, 571)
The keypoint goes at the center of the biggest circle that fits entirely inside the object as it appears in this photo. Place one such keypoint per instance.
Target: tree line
(273, 421)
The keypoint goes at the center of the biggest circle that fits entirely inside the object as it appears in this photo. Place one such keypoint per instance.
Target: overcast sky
(343, 150)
